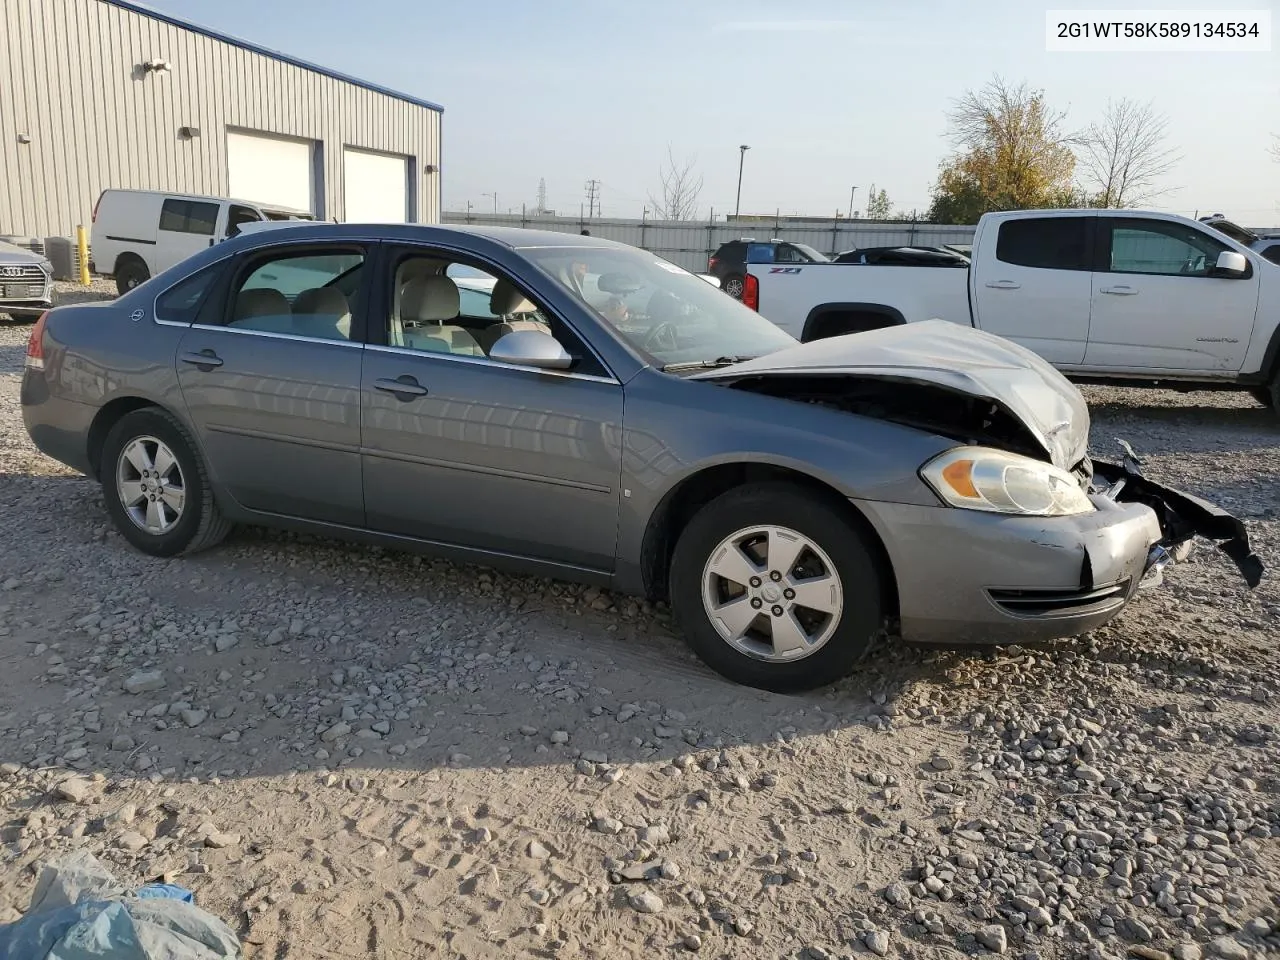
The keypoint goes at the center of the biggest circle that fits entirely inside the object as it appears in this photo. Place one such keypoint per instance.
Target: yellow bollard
(82, 243)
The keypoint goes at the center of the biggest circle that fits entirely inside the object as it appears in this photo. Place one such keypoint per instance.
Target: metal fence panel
(690, 242)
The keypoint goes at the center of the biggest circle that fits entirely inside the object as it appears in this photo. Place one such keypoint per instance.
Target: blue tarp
(80, 912)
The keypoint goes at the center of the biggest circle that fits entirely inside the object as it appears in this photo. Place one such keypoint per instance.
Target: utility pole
(494, 195)
(593, 198)
(742, 156)
(852, 191)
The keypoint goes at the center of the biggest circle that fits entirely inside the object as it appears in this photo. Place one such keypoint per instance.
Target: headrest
(429, 300)
(506, 300)
(261, 302)
(329, 301)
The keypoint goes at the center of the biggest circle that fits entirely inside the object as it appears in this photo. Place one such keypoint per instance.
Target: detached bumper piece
(1182, 517)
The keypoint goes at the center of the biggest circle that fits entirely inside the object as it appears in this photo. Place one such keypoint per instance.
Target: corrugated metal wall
(71, 81)
(689, 242)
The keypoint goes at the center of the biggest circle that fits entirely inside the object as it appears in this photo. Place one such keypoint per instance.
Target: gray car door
(272, 381)
(464, 450)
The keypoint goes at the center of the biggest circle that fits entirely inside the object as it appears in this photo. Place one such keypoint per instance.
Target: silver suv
(26, 282)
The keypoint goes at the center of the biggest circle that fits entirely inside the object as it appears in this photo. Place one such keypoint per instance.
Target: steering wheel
(663, 336)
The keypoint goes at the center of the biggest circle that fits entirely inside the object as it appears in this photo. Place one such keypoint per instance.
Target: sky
(829, 94)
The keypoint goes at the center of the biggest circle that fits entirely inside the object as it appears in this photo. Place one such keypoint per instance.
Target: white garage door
(271, 170)
(375, 186)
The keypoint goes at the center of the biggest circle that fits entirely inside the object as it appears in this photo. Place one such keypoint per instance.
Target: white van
(139, 233)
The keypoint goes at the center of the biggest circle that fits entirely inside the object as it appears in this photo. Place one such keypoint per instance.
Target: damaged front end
(1182, 518)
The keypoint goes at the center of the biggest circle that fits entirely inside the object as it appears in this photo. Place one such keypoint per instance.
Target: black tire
(1269, 397)
(855, 560)
(201, 524)
(130, 272)
(732, 285)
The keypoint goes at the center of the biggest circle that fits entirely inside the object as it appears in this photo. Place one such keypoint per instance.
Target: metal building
(107, 93)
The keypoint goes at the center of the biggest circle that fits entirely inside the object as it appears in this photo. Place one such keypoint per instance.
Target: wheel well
(834, 319)
(678, 507)
(107, 418)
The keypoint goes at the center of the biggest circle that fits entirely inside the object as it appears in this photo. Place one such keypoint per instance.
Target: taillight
(711, 264)
(97, 203)
(35, 344)
(751, 292)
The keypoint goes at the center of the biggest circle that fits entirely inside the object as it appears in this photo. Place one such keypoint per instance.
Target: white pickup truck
(1104, 295)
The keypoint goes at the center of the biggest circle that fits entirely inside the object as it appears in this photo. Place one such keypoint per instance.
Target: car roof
(514, 237)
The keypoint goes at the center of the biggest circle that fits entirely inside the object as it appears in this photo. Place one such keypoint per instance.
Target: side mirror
(531, 348)
(1230, 265)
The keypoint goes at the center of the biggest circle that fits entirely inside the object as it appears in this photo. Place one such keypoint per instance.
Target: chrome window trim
(486, 362)
(269, 334)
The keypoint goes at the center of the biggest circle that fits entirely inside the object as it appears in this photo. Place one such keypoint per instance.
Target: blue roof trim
(146, 11)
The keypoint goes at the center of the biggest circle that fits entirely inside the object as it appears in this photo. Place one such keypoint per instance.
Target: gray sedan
(564, 405)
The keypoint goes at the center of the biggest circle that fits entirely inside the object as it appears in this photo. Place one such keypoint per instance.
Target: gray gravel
(336, 744)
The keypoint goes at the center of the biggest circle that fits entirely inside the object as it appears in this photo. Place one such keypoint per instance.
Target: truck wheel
(1269, 396)
(732, 285)
(130, 272)
(775, 589)
(157, 488)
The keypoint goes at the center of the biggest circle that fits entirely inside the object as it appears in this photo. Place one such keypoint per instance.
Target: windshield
(663, 310)
(808, 251)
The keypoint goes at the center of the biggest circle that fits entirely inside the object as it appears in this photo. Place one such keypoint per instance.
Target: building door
(375, 187)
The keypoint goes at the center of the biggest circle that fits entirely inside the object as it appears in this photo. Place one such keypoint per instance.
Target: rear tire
(732, 285)
(131, 272)
(156, 486)
(787, 645)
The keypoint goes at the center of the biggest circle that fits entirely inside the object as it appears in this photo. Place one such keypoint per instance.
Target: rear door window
(1047, 243)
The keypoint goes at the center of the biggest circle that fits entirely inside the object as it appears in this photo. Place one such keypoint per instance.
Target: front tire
(776, 589)
(156, 486)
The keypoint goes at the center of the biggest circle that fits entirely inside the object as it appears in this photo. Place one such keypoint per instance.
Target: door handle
(206, 359)
(404, 387)
(1121, 291)
(1003, 285)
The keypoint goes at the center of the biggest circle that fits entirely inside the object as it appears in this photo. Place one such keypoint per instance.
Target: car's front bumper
(969, 577)
(26, 297)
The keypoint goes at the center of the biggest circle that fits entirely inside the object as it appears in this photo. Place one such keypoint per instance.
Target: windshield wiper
(700, 364)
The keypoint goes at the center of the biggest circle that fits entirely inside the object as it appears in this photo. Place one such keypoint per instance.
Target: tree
(878, 205)
(1124, 155)
(680, 190)
(1012, 152)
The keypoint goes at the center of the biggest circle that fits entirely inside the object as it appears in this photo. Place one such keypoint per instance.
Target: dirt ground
(348, 752)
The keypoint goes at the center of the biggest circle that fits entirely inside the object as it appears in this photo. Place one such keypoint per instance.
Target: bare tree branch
(680, 190)
(1124, 156)
(1275, 147)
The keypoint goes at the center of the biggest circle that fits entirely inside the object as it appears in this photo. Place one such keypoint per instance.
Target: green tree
(1011, 153)
(878, 204)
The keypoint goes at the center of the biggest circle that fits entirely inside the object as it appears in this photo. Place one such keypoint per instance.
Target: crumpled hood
(947, 355)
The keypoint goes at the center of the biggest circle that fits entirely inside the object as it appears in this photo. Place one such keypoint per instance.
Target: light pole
(852, 191)
(495, 200)
(742, 156)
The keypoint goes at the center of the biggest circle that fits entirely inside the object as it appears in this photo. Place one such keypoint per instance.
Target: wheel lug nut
(789, 593)
(777, 611)
(755, 581)
(756, 603)
(775, 576)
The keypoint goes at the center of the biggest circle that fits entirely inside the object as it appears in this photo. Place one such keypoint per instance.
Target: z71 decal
(784, 269)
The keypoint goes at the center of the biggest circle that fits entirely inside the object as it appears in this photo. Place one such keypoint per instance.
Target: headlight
(978, 478)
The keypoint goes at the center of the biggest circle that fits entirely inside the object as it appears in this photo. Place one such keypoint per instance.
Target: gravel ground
(350, 752)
